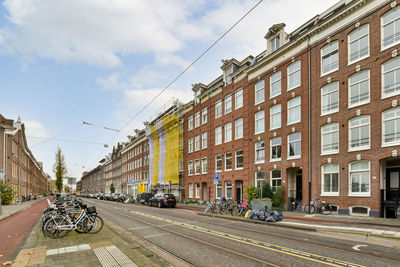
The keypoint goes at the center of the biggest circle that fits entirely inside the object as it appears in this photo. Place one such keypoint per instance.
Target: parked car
(145, 197)
(163, 200)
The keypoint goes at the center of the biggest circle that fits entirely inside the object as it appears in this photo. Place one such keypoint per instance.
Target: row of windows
(294, 148)
(197, 166)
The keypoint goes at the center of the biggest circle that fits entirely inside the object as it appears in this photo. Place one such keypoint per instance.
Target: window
(228, 73)
(275, 117)
(330, 180)
(239, 159)
(329, 58)
(190, 145)
(259, 92)
(294, 75)
(218, 135)
(218, 162)
(197, 190)
(330, 98)
(239, 128)
(391, 28)
(228, 189)
(228, 104)
(359, 88)
(391, 127)
(359, 133)
(275, 84)
(359, 178)
(228, 132)
(197, 143)
(391, 78)
(276, 145)
(260, 178)
(276, 179)
(197, 119)
(228, 161)
(239, 98)
(204, 116)
(190, 168)
(190, 123)
(260, 122)
(218, 190)
(260, 152)
(218, 109)
(330, 138)
(197, 166)
(190, 190)
(204, 165)
(204, 140)
(275, 43)
(294, 110)
(359, 44)
(294, 145)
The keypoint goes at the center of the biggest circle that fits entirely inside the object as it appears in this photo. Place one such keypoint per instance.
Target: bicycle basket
(91, 210)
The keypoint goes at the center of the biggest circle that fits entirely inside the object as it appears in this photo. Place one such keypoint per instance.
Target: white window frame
(204, 166)
(239, 98)
(216, 162)
(228, 185)
(331, 96)
(275, 43)
(236, 159)
(357, 40)
(275, 79)
(190, 168)
(218, 108)
(329, 54)
(197, 167)
(228, 104)
(239, 128)
(226, 159)
(190, 188)
(325, 133)
(204, 116)
(397, 121)
(295, 108)
(396, 92)
(218, 135)
(383, 24)
(204, 140)
(228, 132)
(197, 190)
(197, 119)
(293, 72)
(323, 172)
(259, 120)
(197, 143)
(190, 123)
(259, 89)
(288, 142)
(271, 148)
(274, 188)
(358, 84)
(190, 141)
(218, 188)
(257, 150)
(359, 130)
(360, 194)
(273, 114)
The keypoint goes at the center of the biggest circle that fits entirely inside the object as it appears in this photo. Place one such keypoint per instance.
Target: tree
(59, 169)
(251, 191)
(8, 193)
(112, 188)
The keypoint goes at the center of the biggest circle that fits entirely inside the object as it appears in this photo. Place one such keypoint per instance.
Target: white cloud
(35, 129)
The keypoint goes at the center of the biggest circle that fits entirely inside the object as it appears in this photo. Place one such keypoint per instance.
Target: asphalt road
(207, 241)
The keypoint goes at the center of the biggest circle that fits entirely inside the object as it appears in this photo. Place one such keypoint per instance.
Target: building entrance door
(393, 192)
(204, 188)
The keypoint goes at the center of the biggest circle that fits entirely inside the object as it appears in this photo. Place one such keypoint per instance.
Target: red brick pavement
(14, 228)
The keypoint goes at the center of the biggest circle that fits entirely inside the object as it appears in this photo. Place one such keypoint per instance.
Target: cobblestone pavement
(106, 248)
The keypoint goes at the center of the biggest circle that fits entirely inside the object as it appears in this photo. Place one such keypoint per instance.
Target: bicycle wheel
(51, 227)
(326, 209)
(235, 211)
(309, 209)
(92, 224)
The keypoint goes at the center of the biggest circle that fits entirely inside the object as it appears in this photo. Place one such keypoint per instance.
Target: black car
(163, 200)
(145, 197)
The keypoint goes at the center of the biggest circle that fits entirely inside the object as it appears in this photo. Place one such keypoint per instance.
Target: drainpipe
(309, 118)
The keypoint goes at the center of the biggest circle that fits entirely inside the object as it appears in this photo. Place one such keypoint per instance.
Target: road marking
(147, 236)
(358, 246)
(261, 244)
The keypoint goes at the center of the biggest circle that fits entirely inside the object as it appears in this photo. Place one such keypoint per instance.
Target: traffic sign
(132, 181)
(216, 178)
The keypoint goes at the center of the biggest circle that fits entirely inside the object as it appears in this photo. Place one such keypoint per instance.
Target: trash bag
(277, 215)
(270, 219)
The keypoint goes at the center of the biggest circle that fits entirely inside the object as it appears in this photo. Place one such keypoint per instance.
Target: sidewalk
(106, 248)
(9, 210)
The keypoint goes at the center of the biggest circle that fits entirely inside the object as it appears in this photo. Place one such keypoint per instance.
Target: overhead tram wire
(99, 126)
(58, 135)
(66, 140)
(183, 72)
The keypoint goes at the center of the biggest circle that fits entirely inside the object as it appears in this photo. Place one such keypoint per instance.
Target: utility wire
(183, 72)
(66, 140)
(99, 126)
(58, 135)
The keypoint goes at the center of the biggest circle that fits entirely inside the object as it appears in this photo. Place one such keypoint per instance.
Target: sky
(100, 61)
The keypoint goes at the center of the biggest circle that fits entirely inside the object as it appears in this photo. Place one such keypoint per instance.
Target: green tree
(251, 191)
(267, 191)
(112, 188)
(8, 193)
(279, 197)
(59, 169)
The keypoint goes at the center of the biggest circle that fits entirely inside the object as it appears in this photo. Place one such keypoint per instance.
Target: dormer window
(197, 96)
(228, 77)
(275, 43)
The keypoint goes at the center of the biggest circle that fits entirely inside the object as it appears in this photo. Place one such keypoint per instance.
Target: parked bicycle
(313, 207)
